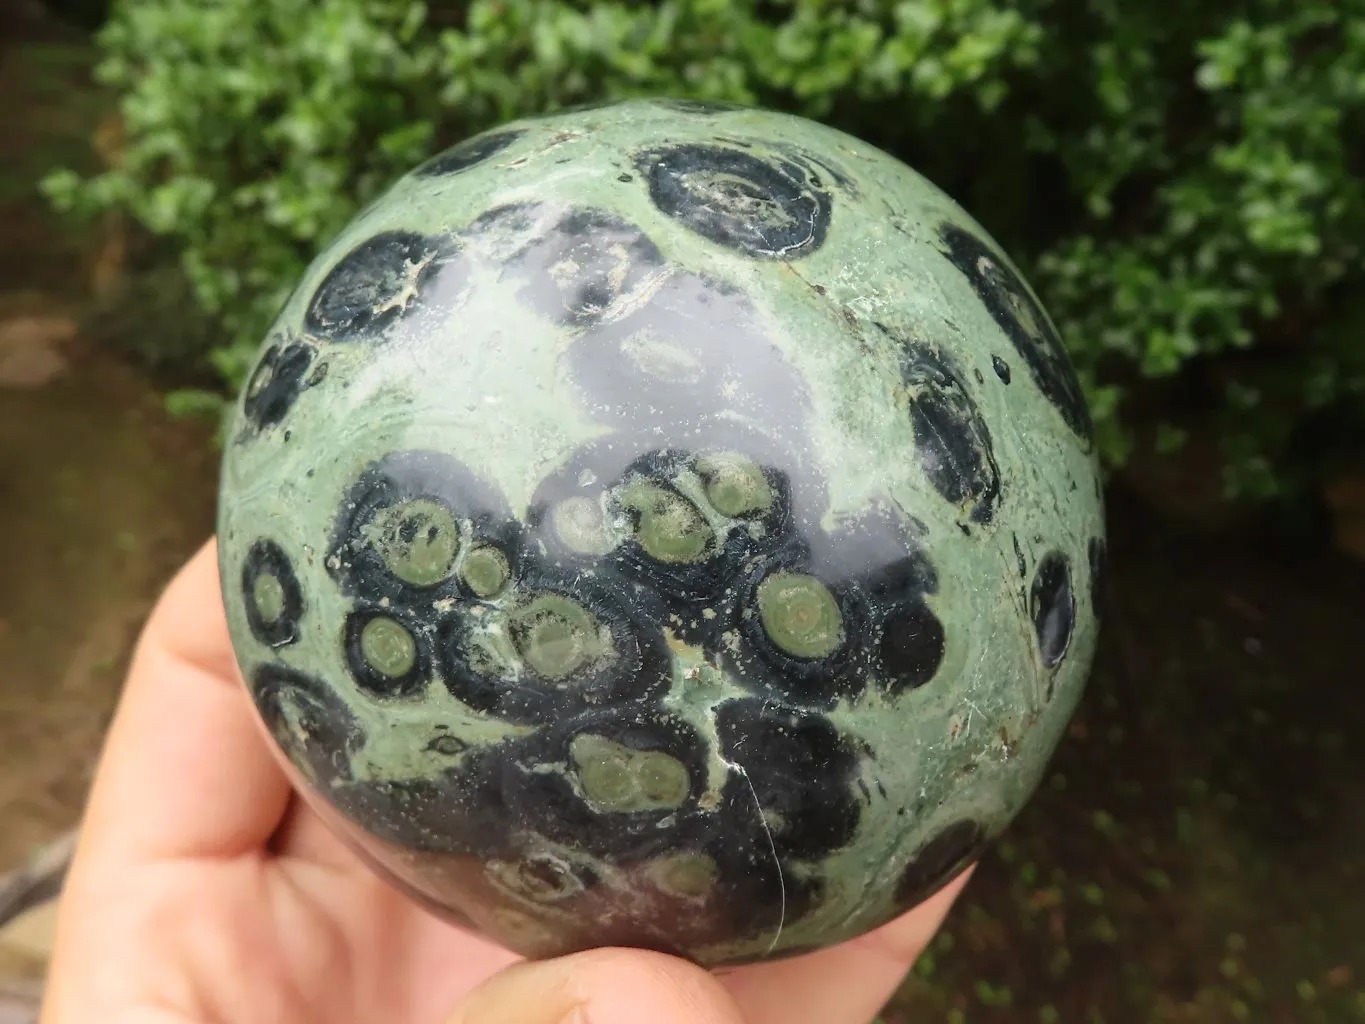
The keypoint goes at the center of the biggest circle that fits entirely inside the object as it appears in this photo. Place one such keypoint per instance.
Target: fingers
(605, 986)
(186, 771)
(848, 983)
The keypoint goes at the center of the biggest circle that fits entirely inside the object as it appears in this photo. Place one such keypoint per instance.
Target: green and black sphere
(668, 526)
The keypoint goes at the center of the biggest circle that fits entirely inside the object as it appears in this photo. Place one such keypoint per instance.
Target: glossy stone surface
(664, 525)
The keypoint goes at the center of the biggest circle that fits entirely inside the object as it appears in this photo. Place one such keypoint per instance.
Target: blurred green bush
(1182, 181)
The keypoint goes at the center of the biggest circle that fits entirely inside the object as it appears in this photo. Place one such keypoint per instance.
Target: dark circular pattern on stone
(765, 209)
(552, 801)
(939, 861)
(377, 683)
(755, 892)
(879, 578)
(267, 559)
(277, 381)
(1024, 322)
(382, 280)
(608, 483)
(689, 583)
(542, 877)
(575, 263)
(634, 665)
(398, 481)
(325, 735)
(464, 155)
(1098, 552)
(459, 811)
(797, 768)
(763, 665)
(910, 644)
(951, 436)
(894, 575)
(1052, 606)
(1002, 369)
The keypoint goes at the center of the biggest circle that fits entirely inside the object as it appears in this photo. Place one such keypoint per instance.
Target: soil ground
(101, 494)
(1194, 855)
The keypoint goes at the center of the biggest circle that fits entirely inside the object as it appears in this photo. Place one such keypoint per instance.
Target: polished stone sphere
(664, 525)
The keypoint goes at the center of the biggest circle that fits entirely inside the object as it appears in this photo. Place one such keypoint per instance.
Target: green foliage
(1181, 182)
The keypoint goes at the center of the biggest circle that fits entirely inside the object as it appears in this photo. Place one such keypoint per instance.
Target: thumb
(602, 986)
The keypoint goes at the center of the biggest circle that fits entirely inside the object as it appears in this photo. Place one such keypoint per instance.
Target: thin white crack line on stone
(786, 248)
(772, 845)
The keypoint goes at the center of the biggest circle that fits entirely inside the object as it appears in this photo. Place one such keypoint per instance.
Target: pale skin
(204, 892)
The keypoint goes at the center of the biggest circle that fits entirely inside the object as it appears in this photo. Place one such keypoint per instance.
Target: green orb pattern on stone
(485, 571)
(268, 594)
(800, 615)
(388, 647)
(664, 524)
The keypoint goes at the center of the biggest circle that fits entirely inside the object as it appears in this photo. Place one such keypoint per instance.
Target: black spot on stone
(879, 576)
(544, 796)
(464, 155)
(385, 279)
(755, 893)
(939, 861)
(980, 377)
(951, 436)
(687, 586)
(798, 768)
(266, 559)
(309, 721)
(696, 597)
(766, 209)
(512, 219)
(1052, 605)
(277, 381)
(703, 107)
(1002, 369)
(1019, 557)
(548, 878)
(625, 178)
(1098, 552)
(359, 567)
(574, 265)
(1025, 323)
(911, 646)
(369, 678)
(635, 665)
(460, 811)
(878, 554)
(765, 667)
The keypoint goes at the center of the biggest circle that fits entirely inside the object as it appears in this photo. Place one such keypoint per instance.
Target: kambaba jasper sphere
(664, 525)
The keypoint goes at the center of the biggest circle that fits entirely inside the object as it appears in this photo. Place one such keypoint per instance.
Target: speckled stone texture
(664, 525)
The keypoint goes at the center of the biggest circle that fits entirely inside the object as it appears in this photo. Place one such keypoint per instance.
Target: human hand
(204, 892)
